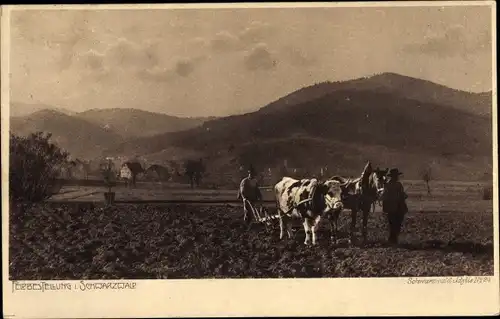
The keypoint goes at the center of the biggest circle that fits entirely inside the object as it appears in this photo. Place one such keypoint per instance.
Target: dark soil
(77, 241)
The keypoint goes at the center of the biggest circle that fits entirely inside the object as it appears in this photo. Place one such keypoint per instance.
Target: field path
(446, 196)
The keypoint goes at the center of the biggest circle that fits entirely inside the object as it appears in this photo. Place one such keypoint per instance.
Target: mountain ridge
(88, 135)
(366, 120)
(396, 84)
(79, 137)
(20, 109)
(393, 120)
(130, 122)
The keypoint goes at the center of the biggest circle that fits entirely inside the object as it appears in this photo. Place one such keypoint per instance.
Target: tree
(189, 167)
(426, 175)
(175, 169)
(108, 171)
(200, 172)
(194, 171)
(85, 164)
(70, 169)
(35, 164)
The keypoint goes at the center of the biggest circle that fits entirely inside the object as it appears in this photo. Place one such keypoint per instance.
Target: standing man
(249, 192)
(394, 204)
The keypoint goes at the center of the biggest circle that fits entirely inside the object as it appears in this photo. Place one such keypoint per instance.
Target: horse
(361, 194)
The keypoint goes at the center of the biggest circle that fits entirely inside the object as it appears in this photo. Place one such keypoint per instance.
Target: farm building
(125, 172)
(130, 170)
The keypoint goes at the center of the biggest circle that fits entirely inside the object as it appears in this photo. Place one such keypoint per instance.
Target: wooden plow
(261, 215)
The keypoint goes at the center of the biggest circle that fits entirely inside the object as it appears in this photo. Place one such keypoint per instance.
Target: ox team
(311, 200)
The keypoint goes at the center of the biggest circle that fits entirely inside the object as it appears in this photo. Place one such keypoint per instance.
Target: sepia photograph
(249, 142)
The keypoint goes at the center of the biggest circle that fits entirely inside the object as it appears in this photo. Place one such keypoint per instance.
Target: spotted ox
(307, 200)
(361, 194)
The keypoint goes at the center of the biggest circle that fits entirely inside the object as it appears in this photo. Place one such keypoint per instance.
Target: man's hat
(394, 172)
(251, 169)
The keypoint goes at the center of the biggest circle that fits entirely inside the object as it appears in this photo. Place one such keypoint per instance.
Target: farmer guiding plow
(250, 193)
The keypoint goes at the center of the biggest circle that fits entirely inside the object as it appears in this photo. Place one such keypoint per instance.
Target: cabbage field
(149, 241)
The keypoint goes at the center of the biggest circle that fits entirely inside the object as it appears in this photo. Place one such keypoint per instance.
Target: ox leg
(333, 231)
(282, 226)
(307, 229)
(285, 222)
(314, 228)
(289, 228)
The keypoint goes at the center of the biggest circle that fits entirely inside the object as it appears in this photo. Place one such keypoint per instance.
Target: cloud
(224, 41)
(127, 54)
(121, 56)
(91, 61)
(197, 44)
(147, 60)
(455, 41)
(260, 58)
(251, 41)
(69, 39)
(297, 57)
(255, 33)
(181, 68)
(157, 74)
(484, 41)
(184, 68)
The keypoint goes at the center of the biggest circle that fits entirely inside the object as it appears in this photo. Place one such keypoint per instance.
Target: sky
(218, 62)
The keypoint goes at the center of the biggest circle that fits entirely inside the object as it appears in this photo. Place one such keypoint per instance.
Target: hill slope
(23, 109)
(341, 129)
(79, 137)
(136, 123)
(397, 85)
(88, 134)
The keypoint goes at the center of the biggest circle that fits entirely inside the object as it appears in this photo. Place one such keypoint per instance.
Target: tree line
(36, 165)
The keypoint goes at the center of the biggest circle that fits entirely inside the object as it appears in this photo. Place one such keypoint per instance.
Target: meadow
(447, 233)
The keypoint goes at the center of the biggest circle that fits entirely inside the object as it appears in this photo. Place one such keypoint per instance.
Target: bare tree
(195, 171)
(86, 168)
(108, 171)
(426, 175)
(69, 168)
(175, 167)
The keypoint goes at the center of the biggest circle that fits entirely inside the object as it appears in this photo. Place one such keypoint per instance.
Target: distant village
(193, 171)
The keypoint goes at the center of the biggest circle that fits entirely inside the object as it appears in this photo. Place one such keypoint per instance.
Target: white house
(125, 172)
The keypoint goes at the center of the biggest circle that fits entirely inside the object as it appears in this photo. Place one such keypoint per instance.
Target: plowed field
(80, 241)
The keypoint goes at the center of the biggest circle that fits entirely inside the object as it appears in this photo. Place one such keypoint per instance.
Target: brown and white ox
(307, 200)
(361, 194)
